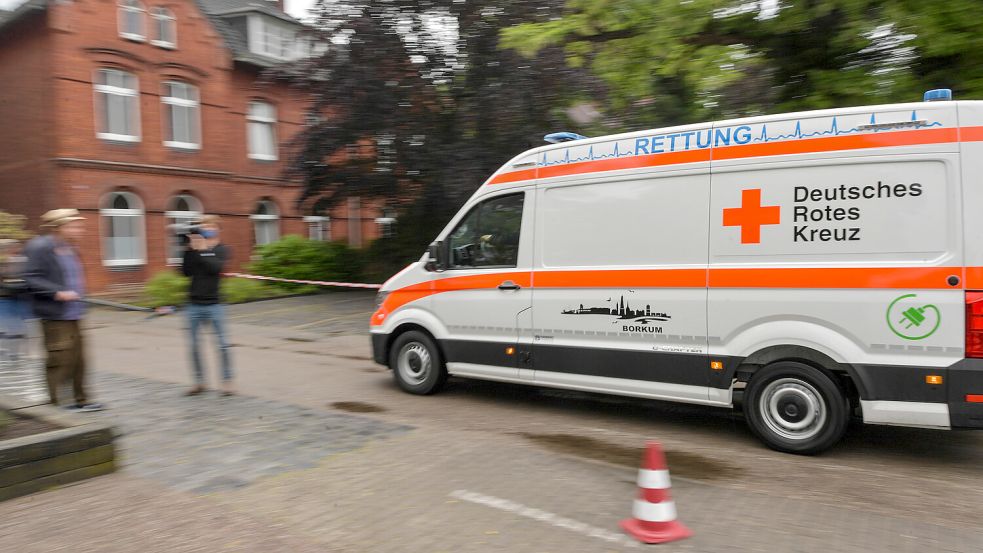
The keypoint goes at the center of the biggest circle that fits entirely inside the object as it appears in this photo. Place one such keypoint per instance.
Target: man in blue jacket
(54, 276)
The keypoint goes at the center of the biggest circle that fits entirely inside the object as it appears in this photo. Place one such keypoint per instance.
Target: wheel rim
(793, 409)
(414, 363)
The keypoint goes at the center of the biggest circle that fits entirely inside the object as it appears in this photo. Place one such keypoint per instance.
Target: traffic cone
(654, 514)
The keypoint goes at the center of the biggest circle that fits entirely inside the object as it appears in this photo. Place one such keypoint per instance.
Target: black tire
(417, 365)
(795, 408)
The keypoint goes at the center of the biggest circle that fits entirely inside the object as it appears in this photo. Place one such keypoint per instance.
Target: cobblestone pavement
(209, 443)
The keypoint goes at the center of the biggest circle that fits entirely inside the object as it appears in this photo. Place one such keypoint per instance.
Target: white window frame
(117, 91)
(157, 15)
(173, 217)
(261, 120)
(385, 226)
(132, 6)
(322, 224)
(272, 214)
(141, 237)
(262, 28)
(181, 102)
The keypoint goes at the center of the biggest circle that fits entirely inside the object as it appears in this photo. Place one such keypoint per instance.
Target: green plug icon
(913, 316)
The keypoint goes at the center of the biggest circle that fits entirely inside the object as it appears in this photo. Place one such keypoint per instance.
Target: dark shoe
(85, 407)
(195, 391)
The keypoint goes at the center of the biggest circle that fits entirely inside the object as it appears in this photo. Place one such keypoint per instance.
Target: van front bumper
(379, 343)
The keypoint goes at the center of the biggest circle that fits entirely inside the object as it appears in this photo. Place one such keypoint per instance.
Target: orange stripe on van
(838, 143)
(873, 278)
(906, 278)
(974, 278)
(514, 176)
(628, 162)
(971, 134)
(654, 278)
(786, 147)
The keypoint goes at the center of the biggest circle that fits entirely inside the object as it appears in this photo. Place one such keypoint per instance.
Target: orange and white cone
(654, 514)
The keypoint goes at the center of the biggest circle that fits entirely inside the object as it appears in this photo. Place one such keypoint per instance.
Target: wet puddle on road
(684, 464)
(357, 407)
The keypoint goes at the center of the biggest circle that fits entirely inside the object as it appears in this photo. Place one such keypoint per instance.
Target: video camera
(184, 231)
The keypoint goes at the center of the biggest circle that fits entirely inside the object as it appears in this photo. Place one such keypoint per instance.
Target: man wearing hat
(54, 276)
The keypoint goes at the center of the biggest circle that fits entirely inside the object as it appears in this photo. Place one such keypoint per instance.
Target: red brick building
(143, 113)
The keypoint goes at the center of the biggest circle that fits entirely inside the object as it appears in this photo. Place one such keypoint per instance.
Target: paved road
(463, 470)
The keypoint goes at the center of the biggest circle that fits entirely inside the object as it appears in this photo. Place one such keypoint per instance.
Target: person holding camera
(204, 260)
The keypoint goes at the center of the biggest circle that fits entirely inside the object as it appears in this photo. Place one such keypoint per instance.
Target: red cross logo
(751, 216)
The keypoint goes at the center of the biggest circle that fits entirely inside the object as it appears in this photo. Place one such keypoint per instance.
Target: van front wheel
(416, 364)
(795, 408)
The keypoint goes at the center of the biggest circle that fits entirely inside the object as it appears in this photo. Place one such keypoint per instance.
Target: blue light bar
(558, 137)
(938, 95)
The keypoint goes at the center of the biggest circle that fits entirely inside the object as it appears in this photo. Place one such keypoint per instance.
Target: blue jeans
(197, 316)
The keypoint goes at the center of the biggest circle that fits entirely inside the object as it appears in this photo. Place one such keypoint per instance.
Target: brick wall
(27, 131)
(48, 65)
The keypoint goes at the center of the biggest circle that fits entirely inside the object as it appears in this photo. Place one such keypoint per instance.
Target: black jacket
(205, 269)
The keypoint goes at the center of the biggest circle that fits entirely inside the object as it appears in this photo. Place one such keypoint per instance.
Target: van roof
(747, 120)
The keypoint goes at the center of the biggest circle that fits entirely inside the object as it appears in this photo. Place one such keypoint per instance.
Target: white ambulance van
(814, 265)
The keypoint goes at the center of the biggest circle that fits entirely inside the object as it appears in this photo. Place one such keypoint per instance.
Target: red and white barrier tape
(310, 282)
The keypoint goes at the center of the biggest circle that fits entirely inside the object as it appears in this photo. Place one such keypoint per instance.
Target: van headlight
(380, 298)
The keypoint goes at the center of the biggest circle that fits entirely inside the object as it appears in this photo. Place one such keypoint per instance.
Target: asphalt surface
(322, 452)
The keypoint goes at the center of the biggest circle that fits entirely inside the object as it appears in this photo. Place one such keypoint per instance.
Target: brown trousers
(66, 357)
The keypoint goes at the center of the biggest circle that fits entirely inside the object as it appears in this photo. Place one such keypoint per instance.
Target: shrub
(167, 288)
(239, 290)
(170, 288)
(295, 257)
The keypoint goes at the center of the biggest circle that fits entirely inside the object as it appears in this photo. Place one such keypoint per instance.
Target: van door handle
(508, 285)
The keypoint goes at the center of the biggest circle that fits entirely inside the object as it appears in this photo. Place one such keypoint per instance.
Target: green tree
(669, 62)
(433, 102)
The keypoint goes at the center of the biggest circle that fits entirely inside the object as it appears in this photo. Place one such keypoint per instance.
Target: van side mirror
(436, 257)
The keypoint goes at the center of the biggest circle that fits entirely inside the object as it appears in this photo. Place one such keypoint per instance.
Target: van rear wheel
(416, 363)
(795, 408)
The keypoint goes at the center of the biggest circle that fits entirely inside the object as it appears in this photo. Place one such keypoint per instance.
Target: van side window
(488, 236)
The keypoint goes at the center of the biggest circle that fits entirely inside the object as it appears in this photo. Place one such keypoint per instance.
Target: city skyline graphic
(622, 310)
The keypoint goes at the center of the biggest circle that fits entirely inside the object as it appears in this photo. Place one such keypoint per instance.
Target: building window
(182, 123)
(266, 222)
(122, 217)
(183, 211)
(165, 28)
(387, 226)
(269, 37)
(117, 105)
(131, 20)
(261, 120)
(318, 228)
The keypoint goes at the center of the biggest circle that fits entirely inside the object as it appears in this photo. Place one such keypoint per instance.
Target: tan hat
(58, 217)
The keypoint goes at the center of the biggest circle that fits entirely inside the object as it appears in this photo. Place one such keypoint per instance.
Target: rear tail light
(974, 325)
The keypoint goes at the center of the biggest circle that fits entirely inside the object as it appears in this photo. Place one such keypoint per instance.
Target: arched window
(131, 20)
(266, 222)
(318, 222)
(182, 211)
(123, 230)
(164, 28)
(182, 116)
(261, 122)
